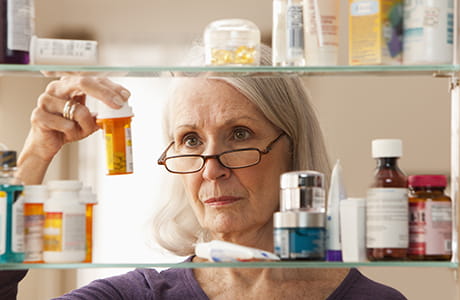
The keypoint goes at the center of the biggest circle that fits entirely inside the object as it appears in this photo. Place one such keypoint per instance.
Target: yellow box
(375, 32)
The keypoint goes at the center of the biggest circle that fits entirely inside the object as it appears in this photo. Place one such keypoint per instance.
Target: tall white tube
(336, 194)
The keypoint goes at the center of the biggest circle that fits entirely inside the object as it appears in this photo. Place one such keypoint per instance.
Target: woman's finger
(112, 94)
(71, 130)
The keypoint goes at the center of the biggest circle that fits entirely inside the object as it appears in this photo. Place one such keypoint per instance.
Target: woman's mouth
(220, 201)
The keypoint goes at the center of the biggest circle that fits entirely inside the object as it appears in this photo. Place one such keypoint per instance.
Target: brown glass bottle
(430, 224)
(387, 236)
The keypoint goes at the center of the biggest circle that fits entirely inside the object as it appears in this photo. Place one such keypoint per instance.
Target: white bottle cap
(386, 148)
(64, 185)
(35, 193)
(87, 196)
(106, 112)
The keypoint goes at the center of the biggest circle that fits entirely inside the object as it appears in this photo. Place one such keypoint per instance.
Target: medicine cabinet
(379, 72)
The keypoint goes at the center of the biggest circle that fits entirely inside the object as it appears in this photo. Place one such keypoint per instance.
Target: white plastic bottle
(279, 41)
(34, 219)
(428, 32)
(64, 232)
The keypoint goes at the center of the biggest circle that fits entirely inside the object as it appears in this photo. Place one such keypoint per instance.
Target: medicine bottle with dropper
(387, 210)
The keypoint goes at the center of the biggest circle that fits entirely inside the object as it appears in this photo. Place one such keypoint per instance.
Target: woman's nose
(213, 169)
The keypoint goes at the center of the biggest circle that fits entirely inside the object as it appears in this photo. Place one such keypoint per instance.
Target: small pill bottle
(116, 125)
(232, 42)
(65, 223)
(89, 199)
(34, 220)
(302, 190)
(430, 223)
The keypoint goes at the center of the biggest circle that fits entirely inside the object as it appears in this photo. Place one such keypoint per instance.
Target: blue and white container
(300, 235)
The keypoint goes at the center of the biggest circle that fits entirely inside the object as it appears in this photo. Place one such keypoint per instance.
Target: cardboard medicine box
(375, 32)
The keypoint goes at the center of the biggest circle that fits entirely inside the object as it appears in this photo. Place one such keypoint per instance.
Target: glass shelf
(260, 71)
(282, 264)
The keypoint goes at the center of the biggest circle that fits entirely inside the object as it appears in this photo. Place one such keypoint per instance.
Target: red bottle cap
(427, 181)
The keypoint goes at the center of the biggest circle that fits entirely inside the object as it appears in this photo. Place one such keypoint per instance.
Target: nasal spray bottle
(336, 194)
(116, 124)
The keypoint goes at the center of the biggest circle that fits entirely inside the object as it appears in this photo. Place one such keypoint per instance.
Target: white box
(353, 229)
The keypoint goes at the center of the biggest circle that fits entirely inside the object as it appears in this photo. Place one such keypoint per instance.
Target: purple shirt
(143, 284)
(181, 284)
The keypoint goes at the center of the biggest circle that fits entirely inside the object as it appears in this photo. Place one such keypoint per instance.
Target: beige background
(353, 110)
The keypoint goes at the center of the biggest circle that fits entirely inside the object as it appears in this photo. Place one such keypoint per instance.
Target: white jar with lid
(64, 232)
(232, 42)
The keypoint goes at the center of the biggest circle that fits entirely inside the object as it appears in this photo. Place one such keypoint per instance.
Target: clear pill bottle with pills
(232, 42)
(116, 125)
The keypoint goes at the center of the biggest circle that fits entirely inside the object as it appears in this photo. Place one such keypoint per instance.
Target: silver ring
(65, 111)
(72, 110)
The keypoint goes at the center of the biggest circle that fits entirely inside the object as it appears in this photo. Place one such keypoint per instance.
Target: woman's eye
(241, 134)
(191, 141)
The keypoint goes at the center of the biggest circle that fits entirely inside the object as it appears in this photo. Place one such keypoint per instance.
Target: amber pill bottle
(116, 124)
(430, 221)
(387, 209)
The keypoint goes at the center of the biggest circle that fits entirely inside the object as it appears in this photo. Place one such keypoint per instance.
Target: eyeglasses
(232, 159)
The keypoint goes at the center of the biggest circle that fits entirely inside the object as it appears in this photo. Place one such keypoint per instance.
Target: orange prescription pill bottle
(34, 219)
(89, 199)
(116, 124)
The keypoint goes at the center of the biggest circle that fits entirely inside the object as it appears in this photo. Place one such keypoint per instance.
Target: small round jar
(232, 42)
(430, 223)
(299, 235)
(302, 190)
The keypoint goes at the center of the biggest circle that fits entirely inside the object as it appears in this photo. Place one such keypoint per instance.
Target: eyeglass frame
(163, 157)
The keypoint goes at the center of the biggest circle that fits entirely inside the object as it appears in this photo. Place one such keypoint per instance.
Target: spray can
(11, 210)
(116, 124)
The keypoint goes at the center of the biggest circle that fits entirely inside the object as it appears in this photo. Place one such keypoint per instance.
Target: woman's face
(210, 117)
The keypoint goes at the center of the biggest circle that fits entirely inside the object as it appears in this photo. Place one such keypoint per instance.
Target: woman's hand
(52, 127)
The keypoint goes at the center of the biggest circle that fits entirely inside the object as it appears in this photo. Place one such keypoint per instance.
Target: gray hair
(285, 102)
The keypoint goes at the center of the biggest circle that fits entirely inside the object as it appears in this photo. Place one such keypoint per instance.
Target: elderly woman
(220, 190)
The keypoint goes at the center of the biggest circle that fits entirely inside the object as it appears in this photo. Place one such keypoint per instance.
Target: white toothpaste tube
(335, 196)
(220, 251)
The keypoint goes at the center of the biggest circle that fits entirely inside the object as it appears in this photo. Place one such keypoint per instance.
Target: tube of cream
(220, 251)
(321, 32)
(335, 195)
